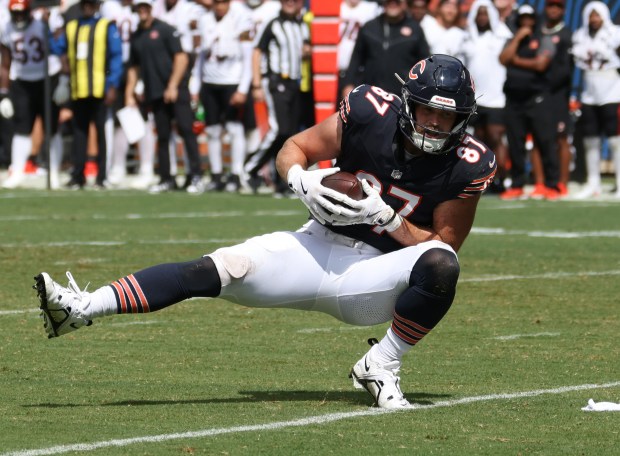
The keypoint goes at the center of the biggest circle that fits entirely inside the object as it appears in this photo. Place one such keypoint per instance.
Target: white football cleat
(62, 308)
(589, 191)
(54, 180)
(15, 180)
(381, 381)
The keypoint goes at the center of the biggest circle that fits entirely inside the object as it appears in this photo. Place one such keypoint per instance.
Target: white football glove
(307, 185)
(6, 108)
(580, 52)
(62, 93)
(371, 210)
(603, 51)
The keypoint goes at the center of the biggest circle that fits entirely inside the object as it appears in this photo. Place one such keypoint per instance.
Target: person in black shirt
(528, 103)
(386, 45)
(156, 55)
(388, 257)
(560, 75)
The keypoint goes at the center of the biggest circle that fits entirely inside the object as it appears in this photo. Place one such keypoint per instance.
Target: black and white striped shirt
(282, 43)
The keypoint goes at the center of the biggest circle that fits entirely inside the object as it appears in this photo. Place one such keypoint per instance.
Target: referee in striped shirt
(276, 77)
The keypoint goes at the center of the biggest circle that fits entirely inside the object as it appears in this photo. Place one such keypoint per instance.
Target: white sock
(390, 348)
(102, 302)
(21, 147)
(214, 133)
(108, 128)
(172, 146)
(614, 148)
(253, 140)
(593, 160)
(147, 150)
(118, 167)
(237, 146)
(56, 153)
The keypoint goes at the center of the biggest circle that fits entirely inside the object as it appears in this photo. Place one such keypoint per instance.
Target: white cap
(526, 9)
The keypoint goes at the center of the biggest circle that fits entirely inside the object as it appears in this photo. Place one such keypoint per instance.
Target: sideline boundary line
(312, 420)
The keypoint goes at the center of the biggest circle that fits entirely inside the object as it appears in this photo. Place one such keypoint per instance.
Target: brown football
(346, 183)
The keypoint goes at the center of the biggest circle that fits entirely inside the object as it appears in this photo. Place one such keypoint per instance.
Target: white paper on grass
(601, 407)
(132, 123)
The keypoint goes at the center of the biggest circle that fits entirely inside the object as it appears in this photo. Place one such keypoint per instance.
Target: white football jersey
(443, 40)
(181, 16)
(27, 50)
(597, 57)
(351, 20)
(125, 19)
(221, 54)
(481, 55)
(261, 16)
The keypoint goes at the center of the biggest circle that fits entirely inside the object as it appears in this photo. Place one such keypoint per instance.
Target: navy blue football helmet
(442, 82)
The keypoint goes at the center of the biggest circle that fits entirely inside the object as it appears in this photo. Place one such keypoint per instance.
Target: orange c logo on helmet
(414, 76)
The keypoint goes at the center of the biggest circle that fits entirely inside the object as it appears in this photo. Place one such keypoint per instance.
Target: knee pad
(230, 265)
(436, 272)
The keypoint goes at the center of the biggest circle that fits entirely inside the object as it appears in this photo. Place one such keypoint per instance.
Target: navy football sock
(160, 286)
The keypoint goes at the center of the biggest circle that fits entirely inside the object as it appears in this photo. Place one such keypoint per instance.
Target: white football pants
(316, 269)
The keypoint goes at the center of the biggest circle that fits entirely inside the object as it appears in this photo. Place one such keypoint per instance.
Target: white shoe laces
(73, 286)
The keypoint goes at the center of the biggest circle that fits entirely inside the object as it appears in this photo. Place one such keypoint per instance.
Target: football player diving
(388, 257)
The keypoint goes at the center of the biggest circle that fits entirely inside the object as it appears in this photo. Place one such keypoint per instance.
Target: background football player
(22, 81)
(388, 257)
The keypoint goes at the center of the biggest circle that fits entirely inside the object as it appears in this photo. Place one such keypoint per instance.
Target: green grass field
(532, 335)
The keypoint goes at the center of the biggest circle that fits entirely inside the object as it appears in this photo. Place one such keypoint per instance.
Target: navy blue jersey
(372, 148)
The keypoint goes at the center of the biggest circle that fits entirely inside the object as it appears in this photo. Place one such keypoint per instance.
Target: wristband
(393, 223)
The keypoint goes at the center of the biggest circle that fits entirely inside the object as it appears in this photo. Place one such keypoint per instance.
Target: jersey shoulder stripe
(478, 166)
(364, 103)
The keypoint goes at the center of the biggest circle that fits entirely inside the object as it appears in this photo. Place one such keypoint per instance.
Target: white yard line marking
(310, 421)
(62, 244)
(19, 311)
(134, 323)
(550, 275)
(546, 234)
(521, 336)
(327, 330)
(163, 216)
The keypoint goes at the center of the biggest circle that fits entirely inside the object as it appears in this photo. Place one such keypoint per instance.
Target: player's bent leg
(66, 309)
(432, 287)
